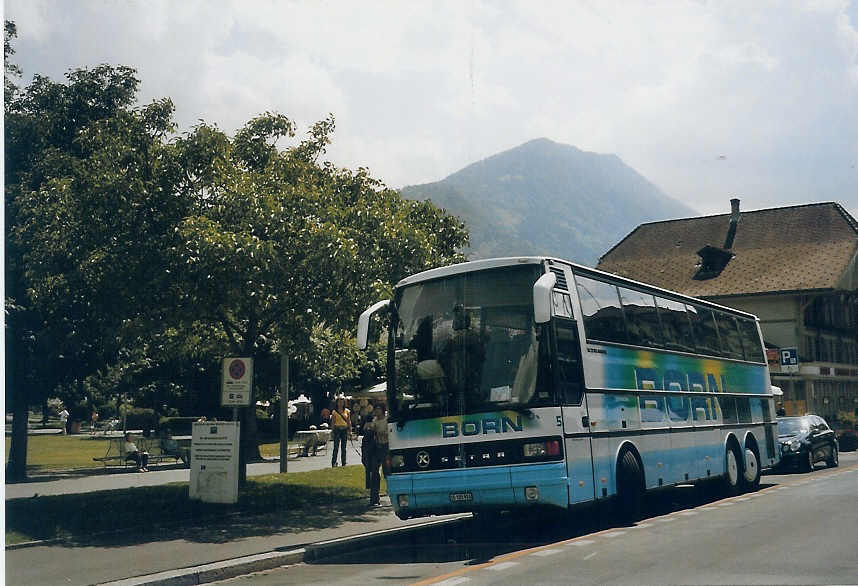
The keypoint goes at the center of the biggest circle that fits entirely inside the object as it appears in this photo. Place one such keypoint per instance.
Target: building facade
(795, 267)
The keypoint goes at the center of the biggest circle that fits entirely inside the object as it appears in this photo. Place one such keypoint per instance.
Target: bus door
(569, 384)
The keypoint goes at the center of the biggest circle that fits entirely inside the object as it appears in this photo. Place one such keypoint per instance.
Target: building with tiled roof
(795, 267)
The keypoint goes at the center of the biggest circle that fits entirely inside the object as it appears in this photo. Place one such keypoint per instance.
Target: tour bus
(518, 382)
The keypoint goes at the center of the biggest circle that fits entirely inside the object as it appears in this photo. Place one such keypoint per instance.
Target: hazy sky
(708, 100)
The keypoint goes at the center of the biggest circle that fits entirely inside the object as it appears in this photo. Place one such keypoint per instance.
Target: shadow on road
(476, 542)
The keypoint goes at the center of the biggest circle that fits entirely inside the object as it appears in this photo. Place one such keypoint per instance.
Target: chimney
(734, 220)
(713, 260)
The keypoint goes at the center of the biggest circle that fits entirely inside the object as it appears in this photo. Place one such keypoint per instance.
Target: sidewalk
(131, 555)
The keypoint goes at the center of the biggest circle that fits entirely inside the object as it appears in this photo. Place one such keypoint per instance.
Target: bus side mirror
(542, 298)
(363, 323)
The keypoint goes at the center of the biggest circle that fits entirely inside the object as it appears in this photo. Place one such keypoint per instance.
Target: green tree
(277, 243)
(85, 209)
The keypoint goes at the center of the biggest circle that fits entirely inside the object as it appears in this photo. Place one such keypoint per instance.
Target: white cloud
(421, 89)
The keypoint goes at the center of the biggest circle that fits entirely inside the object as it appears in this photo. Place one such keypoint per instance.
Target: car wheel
(807, 465)
(833, 460)
(751, 475)
(733, 474)
(629, 487)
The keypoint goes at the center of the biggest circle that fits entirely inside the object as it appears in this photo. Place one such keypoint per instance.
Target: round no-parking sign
(236, 382)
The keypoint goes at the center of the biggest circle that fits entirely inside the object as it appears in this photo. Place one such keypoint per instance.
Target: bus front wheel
(629, 487)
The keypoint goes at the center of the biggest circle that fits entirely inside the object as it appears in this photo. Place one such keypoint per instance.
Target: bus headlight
(541, 449)
(402, 500)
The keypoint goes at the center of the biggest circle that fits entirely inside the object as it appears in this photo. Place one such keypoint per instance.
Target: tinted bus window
(675, 324)
(678, 408)
(750, 340)
(701, 407)
(728, 409)
(570, 380)
(728, 333)
(600, 305)
(652, 408)
(743, 407)
(703, 326)
(642, 323)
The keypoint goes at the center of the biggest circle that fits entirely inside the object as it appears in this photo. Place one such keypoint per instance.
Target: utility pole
(284, 411)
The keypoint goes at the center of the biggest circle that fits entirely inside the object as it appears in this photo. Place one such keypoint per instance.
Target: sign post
(284, 412)
(236, 391)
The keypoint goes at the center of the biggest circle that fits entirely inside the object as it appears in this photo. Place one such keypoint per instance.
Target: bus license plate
(458, 497)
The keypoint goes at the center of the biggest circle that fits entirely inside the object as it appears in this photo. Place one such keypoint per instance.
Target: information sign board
(236, 382)
(789, 359)
(214, 462)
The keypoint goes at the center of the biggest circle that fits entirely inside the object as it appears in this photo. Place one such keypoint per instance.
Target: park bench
(116, 456)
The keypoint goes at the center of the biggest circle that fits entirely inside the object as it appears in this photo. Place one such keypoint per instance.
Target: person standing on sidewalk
(378, 454)
(64, 420)
(341, 421)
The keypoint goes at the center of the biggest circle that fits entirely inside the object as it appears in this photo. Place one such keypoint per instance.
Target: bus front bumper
(474, 489)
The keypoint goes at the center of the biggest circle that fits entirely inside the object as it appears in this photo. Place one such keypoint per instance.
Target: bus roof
(492, 263)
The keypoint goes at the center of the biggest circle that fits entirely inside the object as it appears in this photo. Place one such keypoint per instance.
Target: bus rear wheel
(751, 475)
(733, 471)
(629, 487)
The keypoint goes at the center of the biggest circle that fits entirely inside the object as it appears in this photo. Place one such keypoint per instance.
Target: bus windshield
(466, 343)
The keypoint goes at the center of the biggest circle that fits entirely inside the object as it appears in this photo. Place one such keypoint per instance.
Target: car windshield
(467, 343)
(793, 425)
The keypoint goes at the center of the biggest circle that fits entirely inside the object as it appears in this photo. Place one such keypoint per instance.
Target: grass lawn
(68, 452)
(275, 502)
(62, 452)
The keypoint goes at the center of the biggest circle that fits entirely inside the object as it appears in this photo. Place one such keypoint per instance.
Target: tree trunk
(16, 466)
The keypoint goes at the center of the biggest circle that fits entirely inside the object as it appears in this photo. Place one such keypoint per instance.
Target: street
(799, 528)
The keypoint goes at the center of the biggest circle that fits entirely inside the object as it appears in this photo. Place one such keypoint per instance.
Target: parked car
(807, 440)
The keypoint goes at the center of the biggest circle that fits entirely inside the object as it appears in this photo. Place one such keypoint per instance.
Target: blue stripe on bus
(501, 486)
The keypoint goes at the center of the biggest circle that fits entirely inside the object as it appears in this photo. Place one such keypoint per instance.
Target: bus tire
(630, 487)
(733, 470)
(751, 471)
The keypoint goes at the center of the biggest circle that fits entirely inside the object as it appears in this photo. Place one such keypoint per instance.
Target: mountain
(543, 197)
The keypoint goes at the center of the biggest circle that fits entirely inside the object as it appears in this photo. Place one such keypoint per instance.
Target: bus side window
(569, 378)
(731, 344)
(700, 409)
(677, 408)
(603, 314)
(728, 409)
(750, 340)
(642, 319)
(652, 408)
(705, 334)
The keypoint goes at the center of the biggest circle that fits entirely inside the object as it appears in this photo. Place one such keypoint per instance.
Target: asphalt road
(799, 528)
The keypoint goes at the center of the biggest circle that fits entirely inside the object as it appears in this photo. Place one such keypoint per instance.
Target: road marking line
(503, 566)
(727, 504)
(688, 513)
(614, 534)
(582, 543)
(545, 552)
(744, 498)
(590, 555)
(664, 520)
(454, 581)
(642, 526)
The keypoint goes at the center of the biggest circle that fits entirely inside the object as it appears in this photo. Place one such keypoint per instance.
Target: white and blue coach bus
(518, 382)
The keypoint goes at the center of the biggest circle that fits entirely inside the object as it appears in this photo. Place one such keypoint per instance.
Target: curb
(265, 561)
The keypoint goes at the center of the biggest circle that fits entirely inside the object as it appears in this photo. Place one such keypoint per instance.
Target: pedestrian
(64, 420)
(141, 459)
(378, 454)
(342, 424)
(93, 419)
